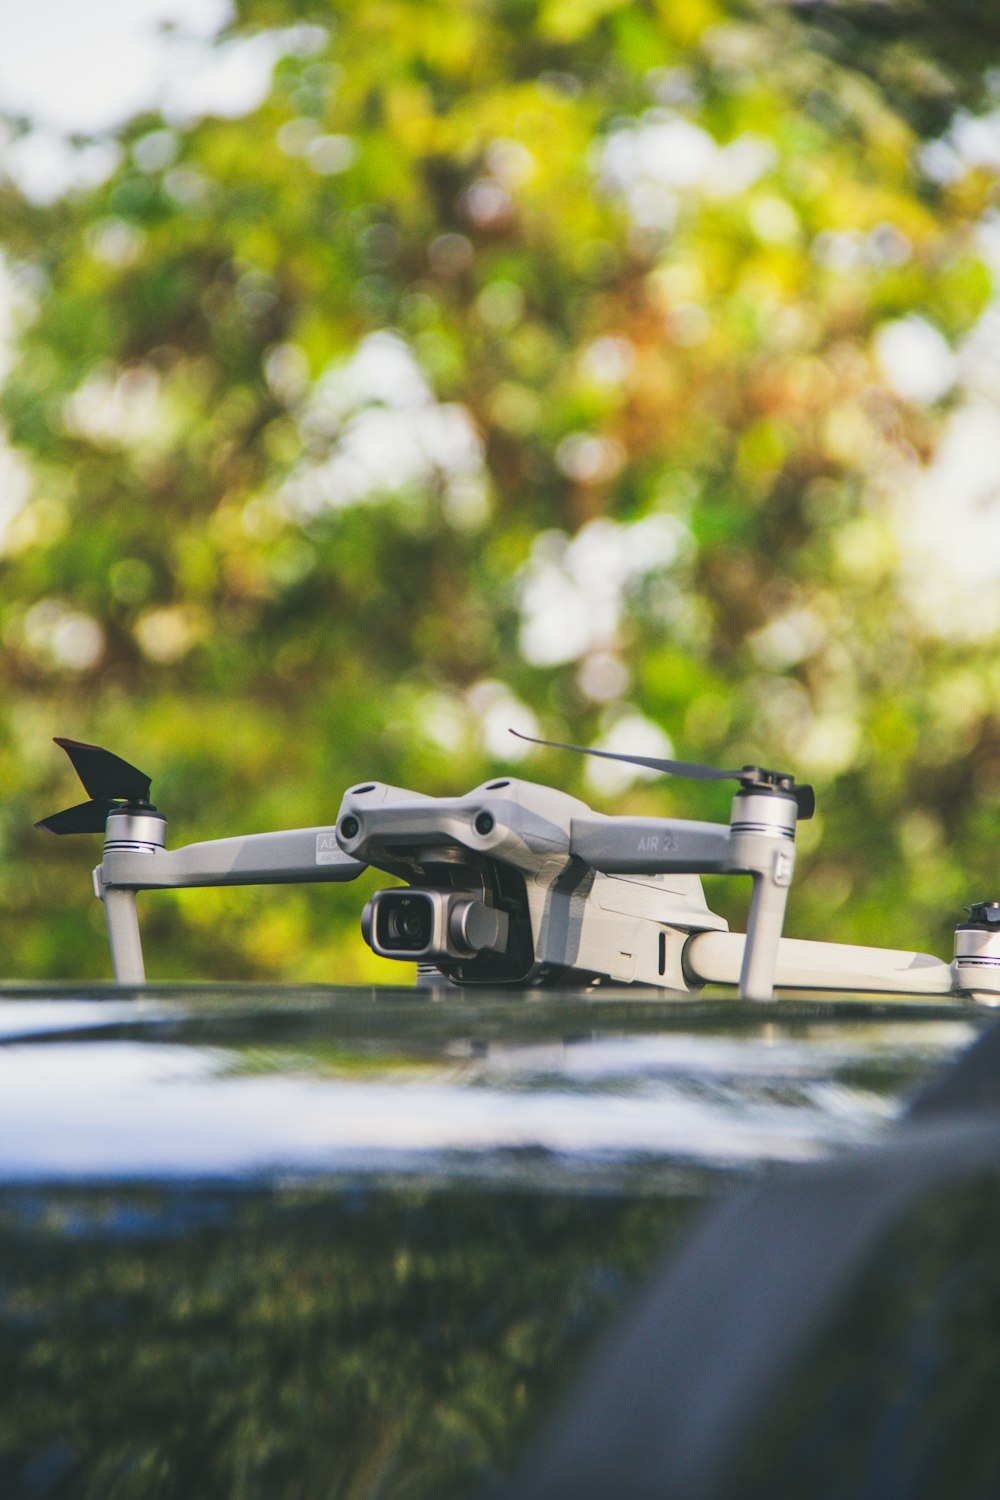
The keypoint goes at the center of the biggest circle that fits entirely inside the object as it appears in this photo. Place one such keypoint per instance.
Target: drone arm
(293, 856)
(760, 842)
(718, 957)
(650, 846)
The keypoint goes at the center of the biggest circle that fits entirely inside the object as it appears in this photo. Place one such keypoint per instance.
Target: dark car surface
(305, 1243)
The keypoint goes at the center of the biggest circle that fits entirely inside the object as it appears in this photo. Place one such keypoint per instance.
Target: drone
(518, 884)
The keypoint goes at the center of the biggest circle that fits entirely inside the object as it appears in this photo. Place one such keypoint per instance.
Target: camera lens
(411, 924)
(405, 923)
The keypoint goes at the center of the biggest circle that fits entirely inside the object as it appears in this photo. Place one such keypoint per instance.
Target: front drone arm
(650, 846)
(135, 861)
(291, 857)
(136, 857)
(759, 842)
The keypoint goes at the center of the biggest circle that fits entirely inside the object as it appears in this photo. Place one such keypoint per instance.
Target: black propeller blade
(749, 777)
(106, 775)
(111, 782)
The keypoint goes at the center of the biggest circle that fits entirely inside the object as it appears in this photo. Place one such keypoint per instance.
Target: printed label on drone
(327, 849)
(655, 843)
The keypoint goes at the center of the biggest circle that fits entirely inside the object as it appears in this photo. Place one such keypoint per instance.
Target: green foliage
(341, 1342)
(640, 256)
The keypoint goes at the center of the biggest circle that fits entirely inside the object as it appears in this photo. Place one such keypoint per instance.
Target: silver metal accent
(763, 812)
(762, 845)
(977, 962)
(130, 832)
(136, 832)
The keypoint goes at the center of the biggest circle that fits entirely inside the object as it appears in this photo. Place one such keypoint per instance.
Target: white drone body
(511, 848)
(519, 884)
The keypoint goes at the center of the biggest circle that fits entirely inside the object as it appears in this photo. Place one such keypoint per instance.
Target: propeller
(113, 784)
(751, 778)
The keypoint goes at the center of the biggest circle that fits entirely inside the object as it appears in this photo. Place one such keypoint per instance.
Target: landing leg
(123, 936)
(764, 923)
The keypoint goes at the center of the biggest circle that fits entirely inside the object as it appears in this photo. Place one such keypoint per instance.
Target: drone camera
(428, 925)
(405, 923)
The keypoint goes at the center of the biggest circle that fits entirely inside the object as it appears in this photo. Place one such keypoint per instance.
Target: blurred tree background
(629, 371)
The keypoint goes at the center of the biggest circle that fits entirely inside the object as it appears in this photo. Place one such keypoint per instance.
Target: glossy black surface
(248, 1083)
(313, 1243)
(896, 1398)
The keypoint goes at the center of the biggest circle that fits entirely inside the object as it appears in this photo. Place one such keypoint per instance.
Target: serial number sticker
(327, 849)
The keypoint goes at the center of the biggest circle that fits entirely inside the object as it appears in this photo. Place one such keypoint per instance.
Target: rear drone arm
(717, 958)
(974, 973)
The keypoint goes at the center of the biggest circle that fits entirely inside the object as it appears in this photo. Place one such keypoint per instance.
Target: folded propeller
(113, 784)
(751, 778)
(116, 786)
